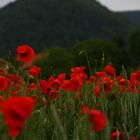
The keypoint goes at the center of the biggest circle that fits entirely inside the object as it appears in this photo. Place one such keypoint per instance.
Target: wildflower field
(103, 106)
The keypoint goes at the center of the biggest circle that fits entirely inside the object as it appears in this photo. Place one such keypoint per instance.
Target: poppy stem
(14, 138)
(87, 59)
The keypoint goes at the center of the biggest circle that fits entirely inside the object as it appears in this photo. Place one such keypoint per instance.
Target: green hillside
(133, 16)
(64, 22)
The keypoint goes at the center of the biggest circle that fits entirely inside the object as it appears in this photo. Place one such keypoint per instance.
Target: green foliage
(101, 52)
(57, 60)
(63, 119)
(134, 41)
(92, 53)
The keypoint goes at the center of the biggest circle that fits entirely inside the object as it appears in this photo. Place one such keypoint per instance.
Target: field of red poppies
(104, 106)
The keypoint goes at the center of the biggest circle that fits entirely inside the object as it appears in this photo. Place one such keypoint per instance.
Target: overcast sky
(115, 5)
(119, 5)
(4, 2)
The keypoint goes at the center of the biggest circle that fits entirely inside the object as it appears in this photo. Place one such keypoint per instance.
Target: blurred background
(73, 32)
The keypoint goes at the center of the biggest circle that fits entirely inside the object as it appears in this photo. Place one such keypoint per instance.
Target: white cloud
(4, 2)
(118, 5)
(115, 5)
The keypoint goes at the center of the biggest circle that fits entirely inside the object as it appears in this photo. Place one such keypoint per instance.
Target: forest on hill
(64, 28)
(62, 22)
(133, 16)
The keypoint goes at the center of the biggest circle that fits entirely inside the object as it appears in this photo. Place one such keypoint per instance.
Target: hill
(133, 16)
(64, 22)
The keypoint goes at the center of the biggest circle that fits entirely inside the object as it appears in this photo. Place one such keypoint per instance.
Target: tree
(134, 41)
(57, 60)
(101, 52)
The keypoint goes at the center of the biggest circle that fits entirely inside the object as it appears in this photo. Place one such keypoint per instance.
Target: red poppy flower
(3, 83)
(45, 87)
(100, 74)
(98, 119)
(135, 75)
(67, 85)
(109, 70)
(117, 135)
(122, 82)
(85, 109)
(61, 77)
(34, 71)
(78, 69)
(133, 138)
(25, 53)
(107, 84)
(15, 111)
(53, 94)
(138, 91)
(55, 83)
(33, 86)
(3, 71)
(77, 83)
(1, 101)
(96, 90)
(92, 79)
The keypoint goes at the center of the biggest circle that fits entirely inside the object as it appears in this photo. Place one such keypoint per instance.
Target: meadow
(78, 106)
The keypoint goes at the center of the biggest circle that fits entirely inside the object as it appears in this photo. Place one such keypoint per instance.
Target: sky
(121, 5)
(4, 2)
(114, 5)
